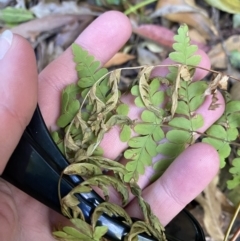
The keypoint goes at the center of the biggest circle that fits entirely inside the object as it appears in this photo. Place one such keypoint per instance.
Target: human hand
(22, 218)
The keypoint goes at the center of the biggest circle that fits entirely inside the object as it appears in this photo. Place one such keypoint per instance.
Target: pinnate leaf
(184, 51)
(87, 67)
(235, 171)
(68, 116)
(82, 226)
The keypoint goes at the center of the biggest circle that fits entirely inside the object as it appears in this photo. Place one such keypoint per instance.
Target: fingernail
(5, 42)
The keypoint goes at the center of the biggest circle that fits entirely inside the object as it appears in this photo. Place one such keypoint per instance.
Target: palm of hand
(22, 218)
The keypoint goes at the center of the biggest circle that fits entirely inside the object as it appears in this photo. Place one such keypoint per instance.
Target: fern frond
(226, 129)
(81, 232)
(143, 148)
(184, 51)
(148, 94)
(235, 171)
(87, 68)
(189, 97)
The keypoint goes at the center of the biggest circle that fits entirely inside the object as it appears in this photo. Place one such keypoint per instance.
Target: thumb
(18, 91)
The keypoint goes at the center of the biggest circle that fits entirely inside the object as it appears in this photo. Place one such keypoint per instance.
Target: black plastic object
(35, 168)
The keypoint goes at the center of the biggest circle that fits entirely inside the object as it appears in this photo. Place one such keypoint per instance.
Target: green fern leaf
(224, 131)
(184, 50)
(189, 98)
(88, 69)
(125, 133)
(81, 232)
(222, 148)
(99, 232)
(143, 147)
(70, 105)
(70, 233)
(59, 141)
(235, 171)
(123, 109)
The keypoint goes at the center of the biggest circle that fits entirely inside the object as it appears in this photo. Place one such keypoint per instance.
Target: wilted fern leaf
(184, 51)
(148, 94)
(104, 181)
(151, 221)
(81, 232)
(110, 209)
(83, 169)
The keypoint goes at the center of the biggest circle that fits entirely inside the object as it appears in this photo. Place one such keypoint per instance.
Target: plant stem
(231, 223)
(139, 5)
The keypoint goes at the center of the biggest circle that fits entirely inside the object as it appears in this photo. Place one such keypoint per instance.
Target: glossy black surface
(35, 168)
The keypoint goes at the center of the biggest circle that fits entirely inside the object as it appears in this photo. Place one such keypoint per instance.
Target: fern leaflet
(184, 51)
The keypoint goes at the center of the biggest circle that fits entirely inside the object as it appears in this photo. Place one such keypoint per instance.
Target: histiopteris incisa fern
(167, 124)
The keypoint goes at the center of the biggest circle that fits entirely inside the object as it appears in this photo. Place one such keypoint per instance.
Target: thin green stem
(137, 6)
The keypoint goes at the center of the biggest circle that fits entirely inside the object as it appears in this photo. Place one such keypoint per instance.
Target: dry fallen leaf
(211, 204)
(43, 9)
(230, 6)
(195, 17)
(218, 56)
(118, 59)
(196, 36)
(37, 26)
(70, 32)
